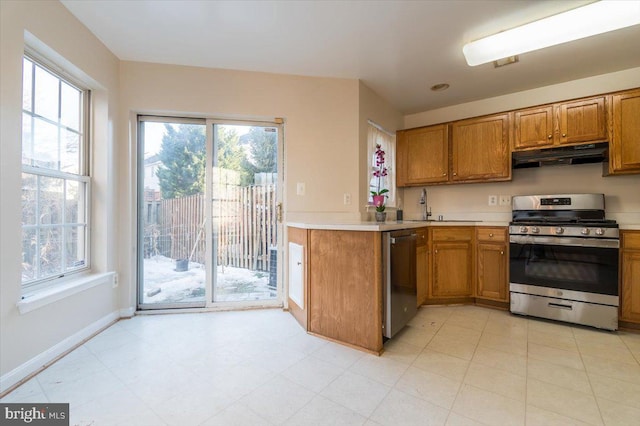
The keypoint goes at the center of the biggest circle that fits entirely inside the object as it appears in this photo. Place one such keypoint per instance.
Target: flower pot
(381, 216)
(378, 200)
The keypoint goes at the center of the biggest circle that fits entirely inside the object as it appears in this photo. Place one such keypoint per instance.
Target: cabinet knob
(436, 252)
(490, 235)
(564, 135)
(501, 252)
(455, 174)
(444, 174)
(549, 136)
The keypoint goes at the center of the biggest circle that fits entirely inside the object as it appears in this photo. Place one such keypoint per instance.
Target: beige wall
(470, 200)
(56, 34)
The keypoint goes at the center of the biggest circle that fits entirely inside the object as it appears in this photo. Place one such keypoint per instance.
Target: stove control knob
(559, 230)
(523, 229)
(535, 230)
(599, 231)
(585, 231)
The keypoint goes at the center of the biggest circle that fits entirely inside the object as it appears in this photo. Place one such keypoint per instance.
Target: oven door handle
(565, 241)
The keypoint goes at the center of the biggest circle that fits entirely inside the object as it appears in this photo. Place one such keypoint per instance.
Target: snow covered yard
(233, 284)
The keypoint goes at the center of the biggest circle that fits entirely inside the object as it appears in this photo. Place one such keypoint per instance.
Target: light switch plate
(493, 200)
(505, 200)
(300, 188)
(347, 199)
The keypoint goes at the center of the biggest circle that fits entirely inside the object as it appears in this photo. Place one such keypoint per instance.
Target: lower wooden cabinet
(299, 307)
(465, 265)
(451, 263)
(345, 287)
(422, 276)
(630, 279)
(492, 264)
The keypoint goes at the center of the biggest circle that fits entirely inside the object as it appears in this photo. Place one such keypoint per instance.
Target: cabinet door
(630, 303)
(423, 155)
(452, 273)
(480, 149)
(625, 140)
(582, 121)
(533, 128)
(492, 271)
(421, 273)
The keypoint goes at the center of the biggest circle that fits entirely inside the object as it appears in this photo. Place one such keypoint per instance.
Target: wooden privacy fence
(243, 223)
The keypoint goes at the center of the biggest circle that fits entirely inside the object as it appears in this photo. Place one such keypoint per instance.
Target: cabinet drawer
(631, 240)
(491, 234)
(452, 234)
(422, 237)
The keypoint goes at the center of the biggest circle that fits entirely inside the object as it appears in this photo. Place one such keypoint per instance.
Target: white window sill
(40, 298)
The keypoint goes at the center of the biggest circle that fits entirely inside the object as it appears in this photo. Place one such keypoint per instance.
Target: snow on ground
(233, 284)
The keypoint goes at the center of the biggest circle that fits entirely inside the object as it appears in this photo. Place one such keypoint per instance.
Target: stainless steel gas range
(564, 259)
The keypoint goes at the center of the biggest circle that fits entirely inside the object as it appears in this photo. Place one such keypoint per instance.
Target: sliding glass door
(245, 212)
(171, 213)
(208, 213)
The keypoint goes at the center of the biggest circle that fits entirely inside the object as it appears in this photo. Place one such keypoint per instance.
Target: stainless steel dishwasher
(399, 269)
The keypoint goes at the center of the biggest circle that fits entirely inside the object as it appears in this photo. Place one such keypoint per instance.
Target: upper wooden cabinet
(477, 151)
(480, 149)
(624, 155)
(566, 123)
(582, 121)
(533, 127)
(423, 155)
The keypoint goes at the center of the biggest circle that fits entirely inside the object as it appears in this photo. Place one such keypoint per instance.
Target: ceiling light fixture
(592, 19)
(439, 87)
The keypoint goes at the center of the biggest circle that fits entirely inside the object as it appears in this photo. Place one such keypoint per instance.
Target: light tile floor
(461, 365)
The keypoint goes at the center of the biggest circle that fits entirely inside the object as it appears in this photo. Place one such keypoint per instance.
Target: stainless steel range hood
(580, 154)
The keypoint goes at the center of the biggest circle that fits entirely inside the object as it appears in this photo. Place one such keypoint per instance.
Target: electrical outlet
(347, 199)
(115, 280)
(300, 188)
(493, 200)
(505, 200)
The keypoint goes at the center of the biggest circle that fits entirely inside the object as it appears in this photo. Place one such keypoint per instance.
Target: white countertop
(629, 226)
(390, 225)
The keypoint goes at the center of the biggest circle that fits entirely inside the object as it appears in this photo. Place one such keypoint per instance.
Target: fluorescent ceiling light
(592, 19)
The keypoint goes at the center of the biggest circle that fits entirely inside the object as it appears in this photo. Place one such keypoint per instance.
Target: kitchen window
(55, 179)
(387, 141)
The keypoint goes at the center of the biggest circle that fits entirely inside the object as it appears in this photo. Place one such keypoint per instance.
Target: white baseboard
(39, 362)
(127, 312)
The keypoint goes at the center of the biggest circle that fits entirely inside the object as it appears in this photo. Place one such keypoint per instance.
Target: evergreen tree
(264, 149)
(231, 156)
(183, 158)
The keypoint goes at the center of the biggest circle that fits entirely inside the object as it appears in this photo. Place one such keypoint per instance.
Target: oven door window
(588, 269)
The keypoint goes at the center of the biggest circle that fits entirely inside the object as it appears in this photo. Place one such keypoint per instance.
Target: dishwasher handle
(392, 240)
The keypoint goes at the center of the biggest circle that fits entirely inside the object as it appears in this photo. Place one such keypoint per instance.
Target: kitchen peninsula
(336, 283)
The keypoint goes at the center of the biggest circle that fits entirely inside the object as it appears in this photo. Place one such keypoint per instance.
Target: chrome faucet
(423, 202)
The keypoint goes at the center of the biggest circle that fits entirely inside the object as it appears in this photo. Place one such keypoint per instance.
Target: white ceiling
(397, 48)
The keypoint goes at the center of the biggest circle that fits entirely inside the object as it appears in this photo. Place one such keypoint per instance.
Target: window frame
(389, 146)
(83, 176)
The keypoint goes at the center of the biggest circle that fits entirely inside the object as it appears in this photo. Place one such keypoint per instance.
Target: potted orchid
(379, 194)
